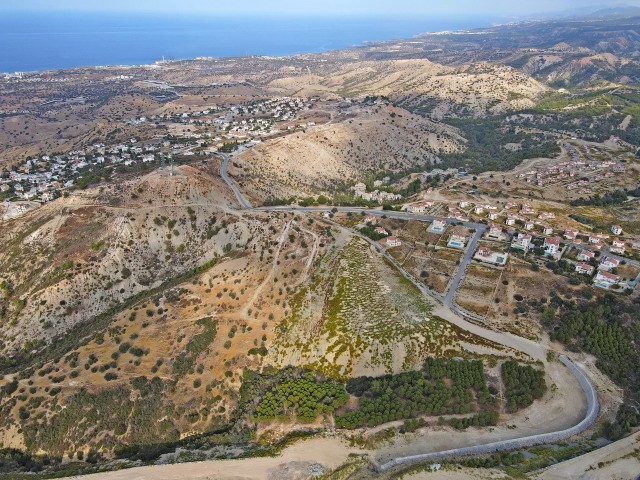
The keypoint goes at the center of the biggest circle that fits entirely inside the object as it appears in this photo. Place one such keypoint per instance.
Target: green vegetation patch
(523, 384)
(303, 398)
(197, 345)
(441, 387)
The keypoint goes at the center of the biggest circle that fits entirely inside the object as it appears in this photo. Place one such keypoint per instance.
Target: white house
(585, 255)
(529, 225)
(547, 230)
(521, 241)
(393, 241)
(371, 219)
(486, 255)
(606, 279)
(381, 231)
(617, 246)
(570, 234)
(458, 239)
(495, 232)
(551, 245)
(437, 226)
(584, 268)
(609, 263)
(418, 207)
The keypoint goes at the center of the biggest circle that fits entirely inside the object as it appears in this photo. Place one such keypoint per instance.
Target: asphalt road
(593, 410)
(225, 176)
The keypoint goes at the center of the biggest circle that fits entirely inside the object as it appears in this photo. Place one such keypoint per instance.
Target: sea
(55, 40)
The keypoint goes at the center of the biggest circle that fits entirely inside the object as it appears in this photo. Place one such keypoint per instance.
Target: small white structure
(616, 230)
(393, 241)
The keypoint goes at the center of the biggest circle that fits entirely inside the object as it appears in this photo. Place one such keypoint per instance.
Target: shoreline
(320, 51)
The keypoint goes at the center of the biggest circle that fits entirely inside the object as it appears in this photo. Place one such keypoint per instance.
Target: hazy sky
(414, 7)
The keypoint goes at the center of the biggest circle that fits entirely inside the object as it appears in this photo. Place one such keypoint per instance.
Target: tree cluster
(523, 384)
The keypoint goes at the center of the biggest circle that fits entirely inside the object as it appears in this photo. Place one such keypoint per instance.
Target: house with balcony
(605, 280)
(437, 226)
(551, 246)
(458, 239)
(521, 242)
(609, 263)
(584, 268)
(393, 242)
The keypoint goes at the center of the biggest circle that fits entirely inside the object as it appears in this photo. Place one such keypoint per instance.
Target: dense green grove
(370, 232)
(601, 329)
(608, 328)
(303, 397)
(609, 198)
(523, 384)
(485, 147)
(425, 392)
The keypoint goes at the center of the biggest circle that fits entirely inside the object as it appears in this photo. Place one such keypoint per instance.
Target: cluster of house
(586, 257)
(573, 173)
(42, 178)
(380, 196)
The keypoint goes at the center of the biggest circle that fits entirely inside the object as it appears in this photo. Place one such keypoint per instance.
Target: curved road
(593, 403)
(593, 409)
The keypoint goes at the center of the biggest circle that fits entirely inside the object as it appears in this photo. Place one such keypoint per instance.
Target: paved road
(225, 176)
(464, 263)
(593, 410)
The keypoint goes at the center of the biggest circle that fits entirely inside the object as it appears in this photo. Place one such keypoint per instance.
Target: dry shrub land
(144, 316)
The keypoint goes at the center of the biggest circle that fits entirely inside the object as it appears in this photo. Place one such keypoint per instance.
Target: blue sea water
(42, 41)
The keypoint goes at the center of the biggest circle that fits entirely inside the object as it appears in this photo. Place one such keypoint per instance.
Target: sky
(504, 8)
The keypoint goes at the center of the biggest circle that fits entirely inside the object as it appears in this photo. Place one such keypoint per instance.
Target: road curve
(593, 403)
(593, 409)
(225, 176)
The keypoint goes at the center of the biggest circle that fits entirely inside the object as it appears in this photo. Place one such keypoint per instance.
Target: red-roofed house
(551, 245)
(608, 263)
(393, 242)
(584, 268)
(586, 255)
(570, 234)
(605, 279)
(617, 246)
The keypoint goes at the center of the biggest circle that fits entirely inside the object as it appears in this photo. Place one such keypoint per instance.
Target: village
(41, 179)
(586, 171)
(604, 259)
